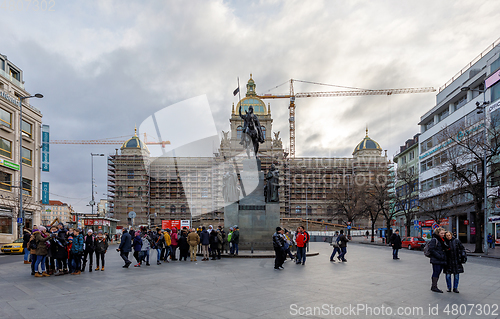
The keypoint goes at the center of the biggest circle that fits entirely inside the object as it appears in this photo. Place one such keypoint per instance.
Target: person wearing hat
(89, 248)
(76, 252)
(235, 239)
(279, 248)
(101, 246)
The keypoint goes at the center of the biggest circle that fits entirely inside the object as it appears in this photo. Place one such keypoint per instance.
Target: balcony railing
(11, 79)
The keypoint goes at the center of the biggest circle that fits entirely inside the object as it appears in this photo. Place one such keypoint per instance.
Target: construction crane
(357, 92)
(107, 142)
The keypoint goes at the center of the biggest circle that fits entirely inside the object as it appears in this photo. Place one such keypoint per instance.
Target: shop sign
(494, 219)
(9, 164)
(473, 230)
(466, 222)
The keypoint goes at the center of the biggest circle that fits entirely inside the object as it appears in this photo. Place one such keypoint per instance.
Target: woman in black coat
(453, 261)
(183, 246)
(437, 248)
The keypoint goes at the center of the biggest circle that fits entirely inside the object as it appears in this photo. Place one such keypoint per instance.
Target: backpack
(32, 244)
(427, 248)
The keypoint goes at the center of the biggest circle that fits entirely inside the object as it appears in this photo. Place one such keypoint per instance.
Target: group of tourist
(59, 251)
(209, 242)
(282, 244)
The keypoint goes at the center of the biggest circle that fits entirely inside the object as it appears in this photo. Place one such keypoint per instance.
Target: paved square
(248, 288)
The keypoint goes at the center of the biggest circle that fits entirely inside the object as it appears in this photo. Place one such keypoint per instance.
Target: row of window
(446, 177)
(6, 120)
(6, 150)
(6, 183)
(411, 156)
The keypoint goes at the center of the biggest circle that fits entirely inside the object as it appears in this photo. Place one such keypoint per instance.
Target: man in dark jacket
(235, 239)
(125, 247)
(205, 241)
(279, 248)
(26, 239)
(396, 244)
(342, 240)
(89, 242)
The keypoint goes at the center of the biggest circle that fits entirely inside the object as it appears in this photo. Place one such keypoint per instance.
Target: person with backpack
(342, 245)
(101, 246)
(396, 244)
(88, 250)
(336, 248)
(436, 249)
(76, 252)
(454, 261)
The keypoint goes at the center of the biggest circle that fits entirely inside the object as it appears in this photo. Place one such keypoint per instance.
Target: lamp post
(92, 202)
(21, 211)
(481, 107)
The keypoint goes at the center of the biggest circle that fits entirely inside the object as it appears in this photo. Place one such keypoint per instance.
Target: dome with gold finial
(251, 99)
(134, 143)
(367, 144)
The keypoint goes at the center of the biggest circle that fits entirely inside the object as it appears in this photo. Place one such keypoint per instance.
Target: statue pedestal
(256, 219)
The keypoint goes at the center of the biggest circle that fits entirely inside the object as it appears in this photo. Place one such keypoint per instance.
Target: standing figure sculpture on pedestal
(230, 189)
(272, 185)
(251, 132)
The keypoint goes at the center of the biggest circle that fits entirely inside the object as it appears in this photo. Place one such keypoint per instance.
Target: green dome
(134, 143)
(259, 107)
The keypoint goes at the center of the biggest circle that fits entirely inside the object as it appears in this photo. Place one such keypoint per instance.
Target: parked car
(15, 248)
(413, 243)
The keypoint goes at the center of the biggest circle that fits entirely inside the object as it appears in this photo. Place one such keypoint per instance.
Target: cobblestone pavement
(250, 288)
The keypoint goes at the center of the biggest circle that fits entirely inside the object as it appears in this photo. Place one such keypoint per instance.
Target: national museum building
(177, 188)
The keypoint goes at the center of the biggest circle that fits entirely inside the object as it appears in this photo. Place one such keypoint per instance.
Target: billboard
(174, 223)
(45, 147)
(45, 193)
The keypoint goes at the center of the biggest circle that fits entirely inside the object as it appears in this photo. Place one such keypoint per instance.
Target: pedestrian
(168, 242)
(137, 243)
(437, 250)
(205, 241)
(367, 234)
(193, 240)
(336, 248)
(279, 247)
(32, 249)
(300, 241)
(342, 245)
(220, 229)
(125, 247)
(68, 252)
(454, 260)
(146, 246)
(183, 245)
(490, 241)
(41, 237)
(229, 237)
(76, 252)
(288, 244)
(26, 250)
(88, 252)
(101, 246)
(58, 245)
(235, 239)
(159, 244)
(174, 243)
(396, 244)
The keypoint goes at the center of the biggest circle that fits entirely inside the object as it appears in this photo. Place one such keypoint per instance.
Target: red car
(413, 242)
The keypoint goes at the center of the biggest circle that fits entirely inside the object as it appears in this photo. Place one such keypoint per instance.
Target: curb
(266, 255)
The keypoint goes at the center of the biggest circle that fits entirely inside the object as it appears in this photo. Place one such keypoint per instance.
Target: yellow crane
(357, 92)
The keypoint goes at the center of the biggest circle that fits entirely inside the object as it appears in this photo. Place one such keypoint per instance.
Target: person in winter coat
(174, 243)
(26, 239)
(101, 246)
(125, 247)
(32, 249)
(168, 241)
(235, 239)
(279, 248)
(159, 244)
(89, 241)
(146, 246)
(396, 244)
(453, 261)
(76, 252)
(437, 249)
(59, 253)
(193, 240)
(41, 237)
(137, 243)
(183, 246)
(229, 237)
(215, 241)
(342, 240)
(301, 239)
(205, 241)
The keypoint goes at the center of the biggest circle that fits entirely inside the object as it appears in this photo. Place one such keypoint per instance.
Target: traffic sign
(19, 220)
(348, 227)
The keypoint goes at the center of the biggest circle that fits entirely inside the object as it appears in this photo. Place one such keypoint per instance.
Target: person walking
(453, 261)
(205, 241)
(168, 242)
(146, 246)
(342, 245)
(125, 247)
(193, 240)
(235, 239)
(437, 249)
(336, 248)
(279, 246)
(88, 241)
(76, 252)
(300, 241)
(396, 244)
(137, 243)
(41, 237)
(101, 246)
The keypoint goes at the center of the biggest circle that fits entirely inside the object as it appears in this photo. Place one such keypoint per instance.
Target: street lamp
(481, 107)
(21, 211)
(92, 202)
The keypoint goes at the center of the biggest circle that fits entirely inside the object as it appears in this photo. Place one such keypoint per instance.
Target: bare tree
(406, 198)
(381, 195)
(348, 201)
(439, 206)
(472, 146)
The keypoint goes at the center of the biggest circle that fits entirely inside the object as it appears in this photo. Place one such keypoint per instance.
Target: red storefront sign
(466, 222)
(429, 222)
(444, 222)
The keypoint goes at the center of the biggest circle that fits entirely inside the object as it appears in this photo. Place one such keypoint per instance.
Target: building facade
(191, 187)
(56, 209)
(11, 89)
(456, 109)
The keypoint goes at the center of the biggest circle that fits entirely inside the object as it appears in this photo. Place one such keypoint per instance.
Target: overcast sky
(105, 66)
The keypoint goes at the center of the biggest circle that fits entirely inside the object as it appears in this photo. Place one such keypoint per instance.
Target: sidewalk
(492, 253)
